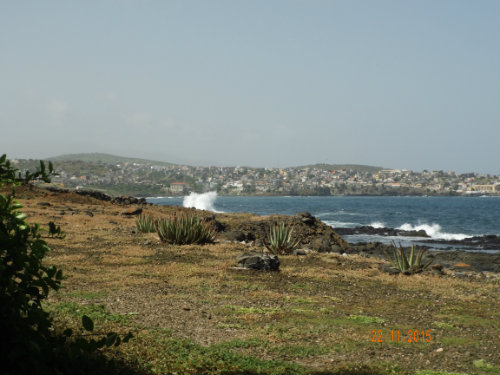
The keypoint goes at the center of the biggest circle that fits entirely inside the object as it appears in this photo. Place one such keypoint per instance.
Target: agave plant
(185, 230)
(408, 264)
(145, 224)
(279, 239)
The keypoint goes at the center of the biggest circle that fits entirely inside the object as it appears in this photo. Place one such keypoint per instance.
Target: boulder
(262, 262)
(306, 218)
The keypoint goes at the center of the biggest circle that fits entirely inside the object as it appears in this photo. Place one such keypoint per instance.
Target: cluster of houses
(179, 180)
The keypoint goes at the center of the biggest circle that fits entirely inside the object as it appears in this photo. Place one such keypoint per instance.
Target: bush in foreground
(28, 343)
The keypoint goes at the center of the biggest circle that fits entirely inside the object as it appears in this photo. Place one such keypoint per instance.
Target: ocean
(443, 218)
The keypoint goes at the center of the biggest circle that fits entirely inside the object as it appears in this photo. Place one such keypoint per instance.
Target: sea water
(447, 218)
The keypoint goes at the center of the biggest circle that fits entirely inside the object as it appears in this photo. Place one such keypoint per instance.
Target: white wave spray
(203, 201)
(377, 224)
(434, 231)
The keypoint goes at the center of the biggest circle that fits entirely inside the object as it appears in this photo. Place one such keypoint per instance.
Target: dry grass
(318, 313)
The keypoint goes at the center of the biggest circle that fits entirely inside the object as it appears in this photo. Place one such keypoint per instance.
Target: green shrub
(185, 230)
(145, 224)
(408, 264)
(28, 343)
(279, 239)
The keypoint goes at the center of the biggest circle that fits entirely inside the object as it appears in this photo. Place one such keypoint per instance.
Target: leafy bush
(279, 239)
(185, 230)
(28, 343)
(408, 264)
(145, 224)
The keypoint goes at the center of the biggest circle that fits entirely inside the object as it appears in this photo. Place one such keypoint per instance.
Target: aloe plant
(408, 264)
(280, 240)
(145, 224)
(185, 230)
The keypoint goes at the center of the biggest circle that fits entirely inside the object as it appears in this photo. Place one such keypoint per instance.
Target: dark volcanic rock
(367, 229)
(218, 226)
(480, 261)
(257, 230)
(488, 242)
(101, 196)
(132, 212)
(262, 262)
(306, 218)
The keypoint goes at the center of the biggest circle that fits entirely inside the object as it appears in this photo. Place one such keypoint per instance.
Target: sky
(263, 83)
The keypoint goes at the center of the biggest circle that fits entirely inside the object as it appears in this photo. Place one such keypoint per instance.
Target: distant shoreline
(220, 194)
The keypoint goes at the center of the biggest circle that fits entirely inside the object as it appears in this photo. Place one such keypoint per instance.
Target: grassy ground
(191, 313)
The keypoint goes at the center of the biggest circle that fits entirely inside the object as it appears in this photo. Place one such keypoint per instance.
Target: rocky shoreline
(320, 237)
(317, 236)
(449, 254)
(487, 242)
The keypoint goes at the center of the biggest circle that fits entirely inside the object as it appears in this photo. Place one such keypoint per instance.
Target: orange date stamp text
(395, 335)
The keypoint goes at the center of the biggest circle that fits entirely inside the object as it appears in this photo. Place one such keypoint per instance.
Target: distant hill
(105, 158)
(114, 159)
(336, 167)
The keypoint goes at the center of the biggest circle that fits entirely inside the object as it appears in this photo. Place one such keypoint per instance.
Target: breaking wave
(434, 231)
(203, 201)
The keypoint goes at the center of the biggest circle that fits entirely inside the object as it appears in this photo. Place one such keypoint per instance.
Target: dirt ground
(322, 311)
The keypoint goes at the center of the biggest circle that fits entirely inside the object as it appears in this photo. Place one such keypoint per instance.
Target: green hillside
(105, 158)
(336, 167)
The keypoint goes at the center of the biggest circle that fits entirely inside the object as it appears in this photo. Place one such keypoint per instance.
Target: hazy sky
(399, 84)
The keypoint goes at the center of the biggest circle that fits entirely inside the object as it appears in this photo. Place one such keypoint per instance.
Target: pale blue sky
(399, 84)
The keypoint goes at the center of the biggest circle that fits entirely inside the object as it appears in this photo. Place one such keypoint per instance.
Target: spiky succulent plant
(185, 230)
(408, 264)
(280, 239)
(145, 224)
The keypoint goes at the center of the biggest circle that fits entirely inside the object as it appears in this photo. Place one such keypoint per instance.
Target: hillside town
(149, 179)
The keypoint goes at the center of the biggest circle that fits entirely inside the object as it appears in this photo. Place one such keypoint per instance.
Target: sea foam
(434, 231)
(203, 201)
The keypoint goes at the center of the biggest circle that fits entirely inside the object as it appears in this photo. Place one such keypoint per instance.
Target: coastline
(250, 228)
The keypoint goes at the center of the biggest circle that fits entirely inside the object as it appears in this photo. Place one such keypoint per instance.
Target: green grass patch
(364, 319)
(486, 367)
(443, 325)
(87, 295)
(95, 312)
(183, 356)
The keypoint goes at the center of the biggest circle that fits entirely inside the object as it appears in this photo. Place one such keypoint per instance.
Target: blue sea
(446, 218)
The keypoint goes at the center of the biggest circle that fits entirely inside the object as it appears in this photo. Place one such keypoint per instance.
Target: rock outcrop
(263, 262)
